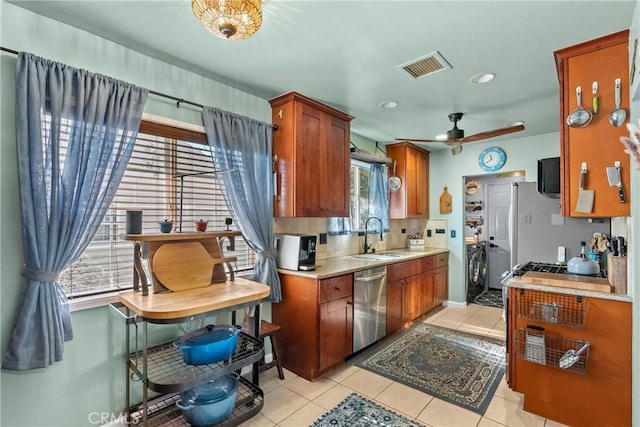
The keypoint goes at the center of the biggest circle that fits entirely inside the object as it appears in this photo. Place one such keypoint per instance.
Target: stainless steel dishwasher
(369, 307)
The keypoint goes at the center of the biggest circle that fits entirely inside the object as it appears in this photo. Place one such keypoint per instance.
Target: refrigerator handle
(513, 225)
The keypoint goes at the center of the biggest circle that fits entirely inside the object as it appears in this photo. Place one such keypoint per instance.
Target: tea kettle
(582, 264)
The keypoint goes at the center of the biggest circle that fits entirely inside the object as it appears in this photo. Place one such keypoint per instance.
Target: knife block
(617, 273)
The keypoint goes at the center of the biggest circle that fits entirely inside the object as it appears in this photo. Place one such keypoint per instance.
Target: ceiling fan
(455, 136)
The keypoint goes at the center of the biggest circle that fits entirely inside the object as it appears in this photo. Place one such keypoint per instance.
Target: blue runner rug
(458, 367)
(357, 411)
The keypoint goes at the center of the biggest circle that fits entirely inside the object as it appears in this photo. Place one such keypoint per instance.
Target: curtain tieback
(266, 254)
(40, 276)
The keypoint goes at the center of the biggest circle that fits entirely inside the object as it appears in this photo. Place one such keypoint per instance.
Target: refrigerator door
(541, 228)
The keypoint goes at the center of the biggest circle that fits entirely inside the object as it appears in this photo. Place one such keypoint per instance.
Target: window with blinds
(170, 172)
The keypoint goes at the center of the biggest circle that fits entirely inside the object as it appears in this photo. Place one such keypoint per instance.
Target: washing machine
(476, 270)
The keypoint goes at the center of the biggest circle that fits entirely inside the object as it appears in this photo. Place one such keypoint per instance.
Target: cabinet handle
(349, 302)
(336, 288)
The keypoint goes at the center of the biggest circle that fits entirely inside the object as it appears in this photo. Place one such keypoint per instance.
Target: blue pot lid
(212, 391)
(210, 334)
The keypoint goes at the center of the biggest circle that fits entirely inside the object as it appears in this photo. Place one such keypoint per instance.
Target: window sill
(95, 301)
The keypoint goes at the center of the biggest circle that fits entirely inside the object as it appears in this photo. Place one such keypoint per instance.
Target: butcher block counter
(572, 285)
(160, 306)
(545, 322)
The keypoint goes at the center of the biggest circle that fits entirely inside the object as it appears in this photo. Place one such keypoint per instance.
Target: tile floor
(297, 402)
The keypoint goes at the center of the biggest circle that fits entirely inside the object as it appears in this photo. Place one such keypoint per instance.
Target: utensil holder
(617, 273)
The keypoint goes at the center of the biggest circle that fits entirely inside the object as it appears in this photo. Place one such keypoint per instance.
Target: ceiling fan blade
(492, 133)
(419, 140)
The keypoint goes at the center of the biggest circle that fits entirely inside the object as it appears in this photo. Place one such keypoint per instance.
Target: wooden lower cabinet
(316, 316)
(427, 298)
(394, 305)
(412, 295)
(594, 392)
(415, 288)
(441, 279)
(316, 321)
(336, 331)
(440, 285)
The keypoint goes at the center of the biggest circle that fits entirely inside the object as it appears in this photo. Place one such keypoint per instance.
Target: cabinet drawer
(442, 259)
(428, 263)
(336, 287)
(401, 270)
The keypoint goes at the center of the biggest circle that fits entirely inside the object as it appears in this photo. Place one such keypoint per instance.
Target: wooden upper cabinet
(311, 149)
(602, 60)
(411, 200)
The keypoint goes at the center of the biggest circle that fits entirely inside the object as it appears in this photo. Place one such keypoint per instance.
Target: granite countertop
(331, 267)
(517, 282)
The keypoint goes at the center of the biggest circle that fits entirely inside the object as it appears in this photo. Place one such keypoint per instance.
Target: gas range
(540, 267)
(544, 268)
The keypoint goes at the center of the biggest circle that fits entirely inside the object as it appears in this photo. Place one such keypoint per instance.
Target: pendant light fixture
(229, 19)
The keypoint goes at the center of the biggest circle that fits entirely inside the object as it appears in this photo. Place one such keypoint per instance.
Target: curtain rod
(153, 92)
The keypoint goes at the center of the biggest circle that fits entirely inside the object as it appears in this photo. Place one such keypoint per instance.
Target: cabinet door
(417, 184)
(310, 164)
(440, 285)
(334, 186)
(428, 291)
(336, 331)
(598, 144)
(411, 200)
(411, 299)
(394, 305)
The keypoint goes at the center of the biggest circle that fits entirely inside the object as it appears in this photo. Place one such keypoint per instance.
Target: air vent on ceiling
(426, 65)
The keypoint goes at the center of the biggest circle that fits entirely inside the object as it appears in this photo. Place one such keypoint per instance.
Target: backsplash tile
(350, 245)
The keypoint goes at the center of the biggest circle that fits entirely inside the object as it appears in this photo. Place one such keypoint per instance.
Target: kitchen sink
(383, 257)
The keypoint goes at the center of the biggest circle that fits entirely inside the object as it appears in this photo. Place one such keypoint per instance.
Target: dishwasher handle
(370, 278)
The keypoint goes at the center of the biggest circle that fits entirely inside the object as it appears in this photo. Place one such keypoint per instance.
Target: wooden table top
(176, 305)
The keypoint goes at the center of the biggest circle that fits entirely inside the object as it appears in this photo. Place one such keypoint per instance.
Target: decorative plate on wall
(472, 187)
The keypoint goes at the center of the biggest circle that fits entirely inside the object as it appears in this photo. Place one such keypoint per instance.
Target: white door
(498, 225)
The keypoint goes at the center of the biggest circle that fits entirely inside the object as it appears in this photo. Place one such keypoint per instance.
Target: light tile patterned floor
(296, 402)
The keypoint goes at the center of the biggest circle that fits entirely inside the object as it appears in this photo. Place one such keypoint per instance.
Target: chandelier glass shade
(229, 19)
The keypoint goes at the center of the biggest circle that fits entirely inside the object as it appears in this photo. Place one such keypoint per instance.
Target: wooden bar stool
(271, 330)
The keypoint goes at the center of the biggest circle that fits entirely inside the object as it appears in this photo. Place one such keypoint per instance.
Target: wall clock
(492, 159)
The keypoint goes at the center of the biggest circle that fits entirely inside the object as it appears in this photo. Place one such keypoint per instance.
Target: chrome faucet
(366, 231)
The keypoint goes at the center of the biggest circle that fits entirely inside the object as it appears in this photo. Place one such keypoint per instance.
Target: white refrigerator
(538, 229)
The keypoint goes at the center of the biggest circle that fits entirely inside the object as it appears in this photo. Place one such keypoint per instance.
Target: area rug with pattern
(358, 411)
(458, 367)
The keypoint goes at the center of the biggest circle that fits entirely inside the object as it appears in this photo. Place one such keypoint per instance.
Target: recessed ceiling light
(482, 78)
(388, 104)
(517, 123)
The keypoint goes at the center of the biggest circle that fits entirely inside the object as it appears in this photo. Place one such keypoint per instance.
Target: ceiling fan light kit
(229, 19)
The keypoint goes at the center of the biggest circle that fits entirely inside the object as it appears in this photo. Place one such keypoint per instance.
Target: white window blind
(152, 183)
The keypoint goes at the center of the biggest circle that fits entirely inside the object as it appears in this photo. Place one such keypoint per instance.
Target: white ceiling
(346, 53)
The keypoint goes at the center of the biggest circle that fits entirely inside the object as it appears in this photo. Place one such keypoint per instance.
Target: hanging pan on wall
(580, 117)
(394, 181)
